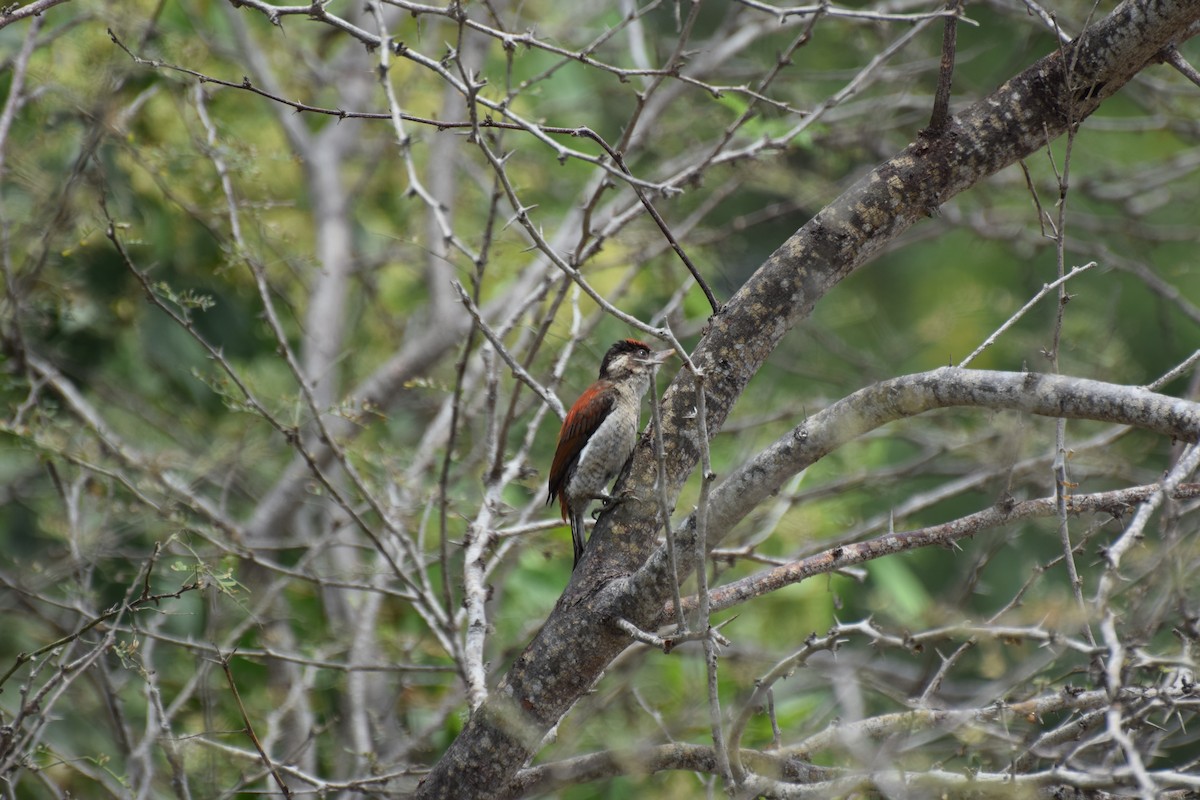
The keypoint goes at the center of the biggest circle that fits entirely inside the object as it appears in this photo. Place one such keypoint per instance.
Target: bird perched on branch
(600, 432)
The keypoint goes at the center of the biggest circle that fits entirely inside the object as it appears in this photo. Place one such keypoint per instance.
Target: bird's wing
(582, 421)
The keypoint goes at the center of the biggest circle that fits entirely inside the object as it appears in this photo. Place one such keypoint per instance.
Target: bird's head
(630, 357)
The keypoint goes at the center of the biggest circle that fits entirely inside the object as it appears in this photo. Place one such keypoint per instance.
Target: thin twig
(249, 729)
(1045, 290)
(664, 508)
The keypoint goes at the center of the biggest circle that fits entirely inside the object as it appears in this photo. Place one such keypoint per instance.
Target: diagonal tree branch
(1056, 396)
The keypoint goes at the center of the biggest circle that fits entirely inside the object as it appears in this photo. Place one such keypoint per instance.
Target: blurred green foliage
(100, 133)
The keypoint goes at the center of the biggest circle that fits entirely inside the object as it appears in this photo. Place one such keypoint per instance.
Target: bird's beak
(660, 357)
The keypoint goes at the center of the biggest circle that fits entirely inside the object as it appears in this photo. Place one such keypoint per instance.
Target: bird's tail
(576, 535)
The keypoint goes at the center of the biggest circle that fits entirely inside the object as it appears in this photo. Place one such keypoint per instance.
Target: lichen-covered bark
(578, 641)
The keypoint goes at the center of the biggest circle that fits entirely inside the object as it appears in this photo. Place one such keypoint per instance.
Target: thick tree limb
(577, 641)
(867, 409)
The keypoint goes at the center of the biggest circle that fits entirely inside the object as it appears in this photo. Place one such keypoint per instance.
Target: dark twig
(658, 220)
(1184, 67)
(143, 600)
(270, 765)
(943, 535)
(941, 98)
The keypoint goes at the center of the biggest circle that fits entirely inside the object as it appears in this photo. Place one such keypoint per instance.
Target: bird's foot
(607, 501)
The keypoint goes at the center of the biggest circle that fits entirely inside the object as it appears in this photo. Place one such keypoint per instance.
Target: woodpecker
(600, 432)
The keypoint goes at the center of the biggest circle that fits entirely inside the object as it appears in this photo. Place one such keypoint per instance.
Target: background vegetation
(289, 317)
